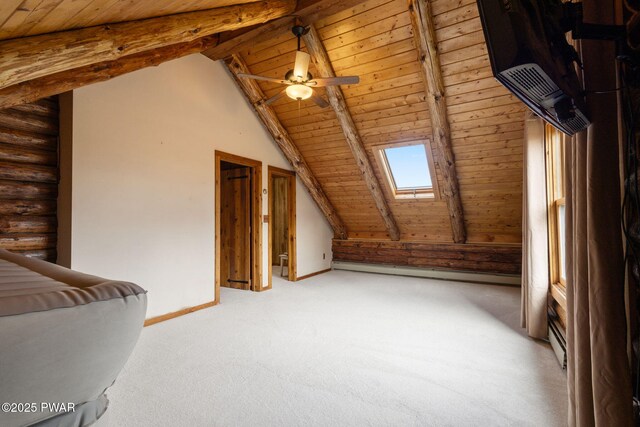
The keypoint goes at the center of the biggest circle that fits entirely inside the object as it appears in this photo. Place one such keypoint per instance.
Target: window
(554, 141)
(409, 169)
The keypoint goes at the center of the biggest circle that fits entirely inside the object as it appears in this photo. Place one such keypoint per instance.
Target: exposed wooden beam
(425, 39)
(32, 90)
(28, 58)
(310, 10)
(336, 99)
(256, 98)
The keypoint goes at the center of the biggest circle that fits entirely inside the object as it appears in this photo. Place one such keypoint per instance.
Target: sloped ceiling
(19, 18)
(374, 40)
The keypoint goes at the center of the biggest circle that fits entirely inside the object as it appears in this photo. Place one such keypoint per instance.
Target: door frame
(255, 168)
(291, 211)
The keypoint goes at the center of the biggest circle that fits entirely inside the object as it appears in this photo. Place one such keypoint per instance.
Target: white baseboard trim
(461, 276)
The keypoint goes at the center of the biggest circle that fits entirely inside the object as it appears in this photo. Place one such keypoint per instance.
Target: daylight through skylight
(409, 167)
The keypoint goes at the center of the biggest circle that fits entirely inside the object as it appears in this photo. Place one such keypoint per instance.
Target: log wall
(29, 178)
(502, 259)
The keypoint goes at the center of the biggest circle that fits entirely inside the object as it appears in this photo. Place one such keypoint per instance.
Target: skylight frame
(410, 193)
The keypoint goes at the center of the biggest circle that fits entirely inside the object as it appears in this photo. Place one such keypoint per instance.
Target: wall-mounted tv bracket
(572, 20)
(582, 30)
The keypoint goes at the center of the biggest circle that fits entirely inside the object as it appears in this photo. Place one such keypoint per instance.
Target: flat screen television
(531, 57)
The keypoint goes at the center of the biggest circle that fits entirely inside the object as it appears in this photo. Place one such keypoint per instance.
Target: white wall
(143, 180)
(310, 229)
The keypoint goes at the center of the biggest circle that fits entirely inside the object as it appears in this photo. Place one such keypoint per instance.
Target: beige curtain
(535, 262)
(599, 380)
(598, 372)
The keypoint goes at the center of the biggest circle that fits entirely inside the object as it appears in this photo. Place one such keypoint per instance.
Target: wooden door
(279, 217)
(235, 228)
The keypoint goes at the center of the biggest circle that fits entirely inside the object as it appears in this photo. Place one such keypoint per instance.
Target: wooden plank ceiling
(374, 40)
(19, 18)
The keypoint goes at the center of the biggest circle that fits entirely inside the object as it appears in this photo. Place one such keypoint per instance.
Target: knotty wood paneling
(19, 18)
(29, 178)
(486, 127)
(374, 40)
(502, 259)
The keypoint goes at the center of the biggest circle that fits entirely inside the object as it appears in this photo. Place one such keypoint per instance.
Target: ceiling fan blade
(320, 102)
(301, 67)
(275, 97)
(334, 81)
(266, 79)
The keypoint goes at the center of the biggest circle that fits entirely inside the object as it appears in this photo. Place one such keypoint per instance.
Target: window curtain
(598, 374)
(535, 261)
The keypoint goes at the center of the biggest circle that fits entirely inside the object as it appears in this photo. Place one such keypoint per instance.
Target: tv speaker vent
(576, 124)
(533, 81)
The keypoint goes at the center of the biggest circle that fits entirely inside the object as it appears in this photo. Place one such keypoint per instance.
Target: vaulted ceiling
(21, 18)
(373, 39)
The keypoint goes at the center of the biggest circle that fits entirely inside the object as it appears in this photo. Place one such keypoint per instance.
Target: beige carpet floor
(344, 349)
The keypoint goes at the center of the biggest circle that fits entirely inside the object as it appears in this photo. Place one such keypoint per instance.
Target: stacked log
(29, 178)
(484, 258)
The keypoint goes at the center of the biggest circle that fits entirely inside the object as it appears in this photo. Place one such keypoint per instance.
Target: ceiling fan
(299, 81)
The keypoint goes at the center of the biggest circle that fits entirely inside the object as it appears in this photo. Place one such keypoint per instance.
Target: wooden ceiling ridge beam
(267, 115)
(309, 10)
(426, 42)
(54, 84)
(33, 57)
(336, 99)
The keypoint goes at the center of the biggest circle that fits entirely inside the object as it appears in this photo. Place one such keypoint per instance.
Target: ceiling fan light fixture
(299, 81)
(299, 91)
(301, 66)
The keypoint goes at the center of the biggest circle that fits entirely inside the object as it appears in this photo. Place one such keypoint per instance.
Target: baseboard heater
(460, 276)
(557, 339)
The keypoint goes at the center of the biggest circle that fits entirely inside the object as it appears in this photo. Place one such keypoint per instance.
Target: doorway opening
(238, 240)
(282, 224)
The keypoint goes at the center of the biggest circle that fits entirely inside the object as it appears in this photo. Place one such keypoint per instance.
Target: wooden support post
(425, 39)
(32, 57)
(256, 98)
(336, 99)
(64, 81)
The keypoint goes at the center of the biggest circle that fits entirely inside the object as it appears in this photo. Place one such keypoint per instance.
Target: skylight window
(408, 168)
